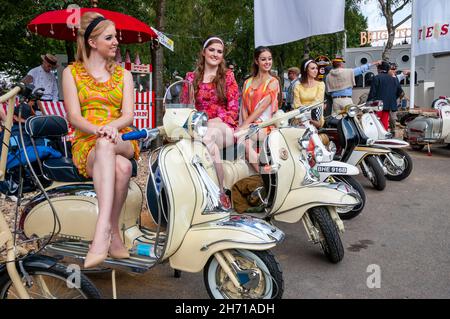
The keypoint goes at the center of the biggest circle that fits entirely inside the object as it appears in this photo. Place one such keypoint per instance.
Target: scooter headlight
(352, 111)
(199, 124)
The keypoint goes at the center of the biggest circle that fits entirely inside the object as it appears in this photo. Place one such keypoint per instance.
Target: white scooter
(398, 163)
(292, 188)
(194, 232)
(329, 170)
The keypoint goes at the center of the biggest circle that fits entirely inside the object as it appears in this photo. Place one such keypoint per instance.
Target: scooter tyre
(331, 243)
(273, 270)
(408, 169)
(59, 272)
(380, 180)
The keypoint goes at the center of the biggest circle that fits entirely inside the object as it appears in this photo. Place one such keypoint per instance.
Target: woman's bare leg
(101, 165)
(123, 175)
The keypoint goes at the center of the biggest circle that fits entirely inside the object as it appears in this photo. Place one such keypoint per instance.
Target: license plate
(332, 169)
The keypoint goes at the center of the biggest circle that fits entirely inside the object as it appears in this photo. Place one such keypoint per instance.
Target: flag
(137, 60)
(284, 21)
(431, 21)
(127, 56)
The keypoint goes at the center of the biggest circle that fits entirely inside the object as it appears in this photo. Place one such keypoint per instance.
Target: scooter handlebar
(144, 133)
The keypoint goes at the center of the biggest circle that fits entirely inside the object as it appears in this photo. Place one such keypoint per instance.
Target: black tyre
(377, 179)
(329, 234)
(50, 283)
(269, 286)
(417, 147)
(346, 213)
(400, 172)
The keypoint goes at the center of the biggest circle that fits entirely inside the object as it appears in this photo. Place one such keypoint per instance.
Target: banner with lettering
(431, 19)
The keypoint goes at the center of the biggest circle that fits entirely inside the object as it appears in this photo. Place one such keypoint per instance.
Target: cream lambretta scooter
(292, 188)
(183, 198)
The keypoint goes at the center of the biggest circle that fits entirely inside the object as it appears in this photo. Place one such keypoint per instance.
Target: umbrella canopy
(58, 24)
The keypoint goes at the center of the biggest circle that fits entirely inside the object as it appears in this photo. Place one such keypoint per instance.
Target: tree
(389, 8)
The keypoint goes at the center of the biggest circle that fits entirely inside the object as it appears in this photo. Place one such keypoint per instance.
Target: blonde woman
(99, 100)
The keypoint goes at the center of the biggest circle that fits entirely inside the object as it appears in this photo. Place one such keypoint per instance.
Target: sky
(376, 21)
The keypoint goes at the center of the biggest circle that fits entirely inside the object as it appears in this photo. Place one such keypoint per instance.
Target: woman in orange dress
(260, 99)
(99, 99)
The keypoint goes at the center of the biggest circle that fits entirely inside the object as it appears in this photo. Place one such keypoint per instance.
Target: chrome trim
(210, 189)
(207, 246)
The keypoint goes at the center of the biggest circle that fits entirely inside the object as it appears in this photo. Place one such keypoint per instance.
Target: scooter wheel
(270, 285)
(407, 169)
(330, 240)
(379, 180)
(51, 283)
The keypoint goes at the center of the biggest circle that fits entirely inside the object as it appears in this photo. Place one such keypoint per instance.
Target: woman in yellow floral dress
(98, 96)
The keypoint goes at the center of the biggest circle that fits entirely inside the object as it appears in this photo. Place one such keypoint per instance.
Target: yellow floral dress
(101, 103)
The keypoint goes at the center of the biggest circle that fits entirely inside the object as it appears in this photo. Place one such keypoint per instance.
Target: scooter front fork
(225, 264)
(382, 165)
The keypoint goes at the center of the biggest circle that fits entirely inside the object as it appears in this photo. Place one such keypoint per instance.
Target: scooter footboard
(299, 201)
(239, 232)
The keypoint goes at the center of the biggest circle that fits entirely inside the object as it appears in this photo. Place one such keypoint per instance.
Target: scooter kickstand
(177, 273)
(113, 281)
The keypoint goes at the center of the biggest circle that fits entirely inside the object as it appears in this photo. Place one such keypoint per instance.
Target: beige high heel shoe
(121, 253)
(94, 259)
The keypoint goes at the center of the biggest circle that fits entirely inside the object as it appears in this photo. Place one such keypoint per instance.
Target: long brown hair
(83, 48)
(256, 54)
(219, 79)
(304, 70)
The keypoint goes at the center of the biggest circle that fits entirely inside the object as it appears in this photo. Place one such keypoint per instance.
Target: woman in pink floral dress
(216, 94)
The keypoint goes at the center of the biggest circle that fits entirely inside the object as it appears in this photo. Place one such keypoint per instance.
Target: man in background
(340, 82)
(387, 88)
(293, 76)
(42, 77)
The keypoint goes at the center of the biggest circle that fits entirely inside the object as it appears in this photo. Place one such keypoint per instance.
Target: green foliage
(187, 22)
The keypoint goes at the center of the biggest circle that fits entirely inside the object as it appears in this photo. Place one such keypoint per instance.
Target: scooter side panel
(76, 206)
(202, 241)
(299, 201)
(369, 127)
(285, 152)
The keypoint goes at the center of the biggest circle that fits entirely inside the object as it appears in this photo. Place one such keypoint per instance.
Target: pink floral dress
(207, 100)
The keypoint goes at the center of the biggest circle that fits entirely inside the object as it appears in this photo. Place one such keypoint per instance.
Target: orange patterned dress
(101, 103)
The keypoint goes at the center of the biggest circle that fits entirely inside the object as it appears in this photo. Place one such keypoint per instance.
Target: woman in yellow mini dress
(98, 96)
(310, 91)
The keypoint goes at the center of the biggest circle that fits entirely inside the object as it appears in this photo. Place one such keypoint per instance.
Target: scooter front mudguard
(237, 232)
(299, 201)
(335, 168)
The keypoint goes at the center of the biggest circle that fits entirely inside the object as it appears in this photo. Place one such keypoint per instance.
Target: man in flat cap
(294, 80)
(340, 82)
(42, 77)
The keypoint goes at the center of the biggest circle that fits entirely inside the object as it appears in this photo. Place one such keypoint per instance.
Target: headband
(306, 64)
(210, 39)
(91, 27)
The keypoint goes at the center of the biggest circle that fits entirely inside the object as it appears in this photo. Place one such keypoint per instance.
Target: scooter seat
(63, 170)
